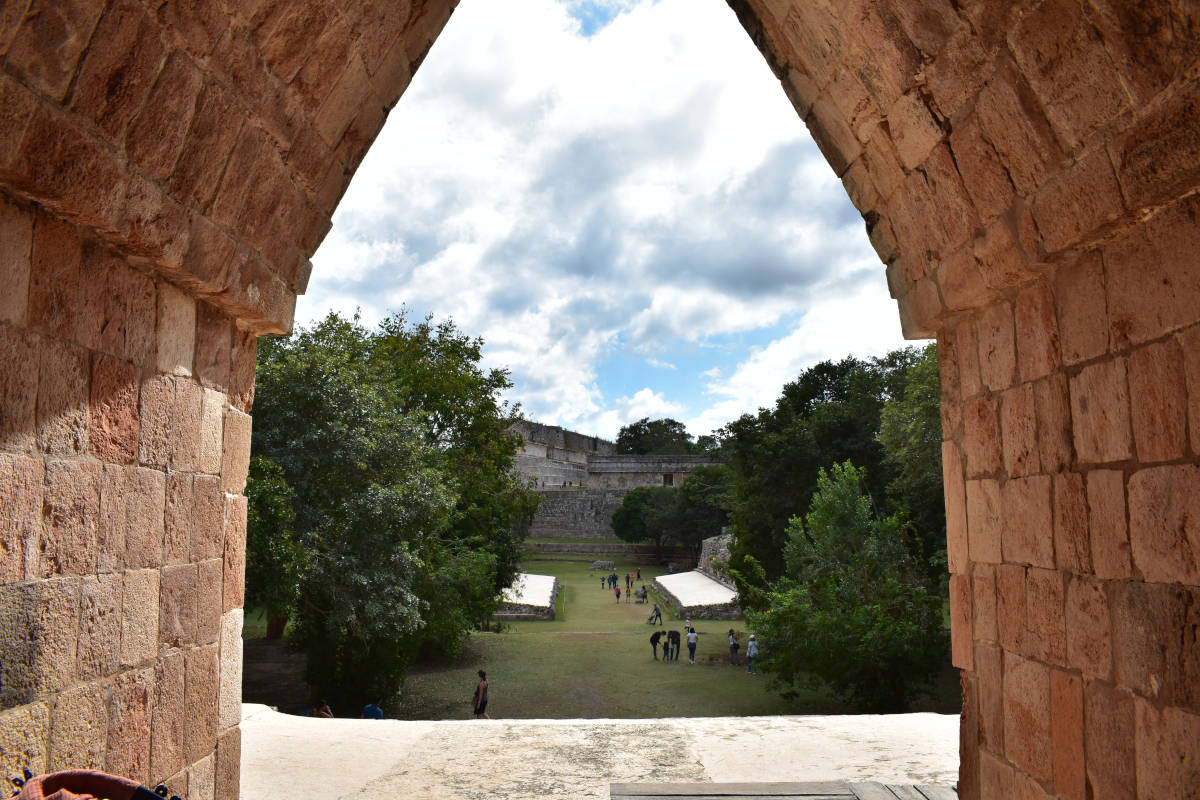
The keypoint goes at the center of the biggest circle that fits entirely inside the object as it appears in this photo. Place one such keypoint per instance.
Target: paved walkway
(697, 589)
(304, 758)
(531, 590)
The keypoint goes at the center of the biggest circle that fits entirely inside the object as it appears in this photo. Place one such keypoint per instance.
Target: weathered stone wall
(1027, 170)
(581, 513)
(714, 552)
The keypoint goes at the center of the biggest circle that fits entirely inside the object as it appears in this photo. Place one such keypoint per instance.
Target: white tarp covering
(531, 590)
(697, 589)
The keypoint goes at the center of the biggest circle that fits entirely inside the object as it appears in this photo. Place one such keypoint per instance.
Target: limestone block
(959, 70)
(23, 734)
(1045, 616)
(1066, 734)
(16, 231)
(983, 603)
(144, 517)
(832, 135)
(72, 172)
(125, 52)
(1027, 715)
(962, 282)
(18, 391)
(48, 44)
(176, 331)
(1037, 333)
(214, 340)
(914, 131)
(71, 518)
(231, 669)
(1085, 196)
(202, 695)
(1168, 750)
(208, 518)
(1018, 427)
(212, 429)
(210, 138)
(961, 617)
(1150, 655)
(1027, 536)
(155, 223)
(177, 526)
(1100, 416)
(1023, 140)
(177, 606)
(156, 135)
(202, 778)
(168, 715)
(1158, 156)
(988, 659)
(264, 302)
(1054, 423)
(77, 729)
(229, 763)
(129, 715)
(984, 521)
(110, 545)
(209, 599)
(210, 257)
(99, 653)
(1089, 628)
(139, 617)
(235, 461)
(1150, 275)
(62, 398)
(113, 418)
(967, 352)
(1001, 260)
(1156, 398)
(17, 105)
(21, 486)
(186, 421)
(1064, 58)
(955, 494)
(997, 346)
(1164, 523)
(1108, 731)
(1079, 292)
(156, 405)
(235, 553)
(1107, 532)
(981, 436)
(1072, 551)
(351, 92)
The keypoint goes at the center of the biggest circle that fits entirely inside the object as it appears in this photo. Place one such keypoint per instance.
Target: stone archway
(1027, 171)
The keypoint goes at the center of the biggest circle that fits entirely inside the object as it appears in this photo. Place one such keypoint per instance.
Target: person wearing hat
(751, 653)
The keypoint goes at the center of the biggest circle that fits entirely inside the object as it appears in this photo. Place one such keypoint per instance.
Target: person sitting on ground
(373, 710)
(322, 710)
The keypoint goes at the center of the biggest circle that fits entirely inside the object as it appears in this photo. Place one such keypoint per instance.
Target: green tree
(398, 453)
(683, 516)
(830, 413)
(910, 431)
(275, 559)
(852, 610)
(658, 437)
(645, 514)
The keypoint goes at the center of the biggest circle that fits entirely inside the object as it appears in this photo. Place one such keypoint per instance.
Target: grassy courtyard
(595, 661)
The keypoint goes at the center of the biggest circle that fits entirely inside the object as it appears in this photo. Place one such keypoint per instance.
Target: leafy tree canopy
(408, 513)
(659, 437)
(852, 609)
(683, 516)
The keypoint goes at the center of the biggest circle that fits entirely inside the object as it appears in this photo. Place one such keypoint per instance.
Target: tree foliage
(853, 609)
(683, 516)
(659, 437)
(275, 560)
(409, 516)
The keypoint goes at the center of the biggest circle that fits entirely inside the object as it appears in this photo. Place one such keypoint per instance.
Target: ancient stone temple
(1027, 170)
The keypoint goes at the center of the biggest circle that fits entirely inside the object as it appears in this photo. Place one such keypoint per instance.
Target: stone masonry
(1027, 170)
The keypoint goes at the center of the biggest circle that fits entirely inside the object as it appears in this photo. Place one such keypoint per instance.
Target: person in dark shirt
(654, 637)
(673, 643)
(480, 700)
(373, 710)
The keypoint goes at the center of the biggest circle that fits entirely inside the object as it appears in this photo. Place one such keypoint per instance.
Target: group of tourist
(673, 639)
(610, 582)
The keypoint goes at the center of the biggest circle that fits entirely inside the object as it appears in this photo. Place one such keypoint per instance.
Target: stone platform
(530, 597)
(577, 759)
(694, 594)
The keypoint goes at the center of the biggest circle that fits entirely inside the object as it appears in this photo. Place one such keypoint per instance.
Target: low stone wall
(717, 611)
(516, 612)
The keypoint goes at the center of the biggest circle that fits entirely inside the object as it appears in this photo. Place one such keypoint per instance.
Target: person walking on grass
(751, 654)
(693, 639)
(656, 616)
(733, 648)
(480, 700)
(617, 591)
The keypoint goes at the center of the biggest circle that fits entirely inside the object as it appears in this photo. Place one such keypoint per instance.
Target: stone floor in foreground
(818, 790)
(304, 758)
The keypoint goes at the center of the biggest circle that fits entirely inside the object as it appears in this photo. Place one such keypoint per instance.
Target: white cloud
(569, 196)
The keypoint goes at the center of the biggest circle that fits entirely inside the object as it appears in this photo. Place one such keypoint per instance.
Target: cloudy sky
(617, 196)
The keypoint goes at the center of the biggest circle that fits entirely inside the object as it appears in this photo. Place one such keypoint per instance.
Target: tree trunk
(275, 626)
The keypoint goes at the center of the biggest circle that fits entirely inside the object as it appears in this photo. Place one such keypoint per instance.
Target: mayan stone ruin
(1027, 170)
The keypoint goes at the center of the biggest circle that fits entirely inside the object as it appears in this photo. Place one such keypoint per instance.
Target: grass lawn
(595, 661)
